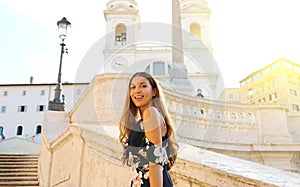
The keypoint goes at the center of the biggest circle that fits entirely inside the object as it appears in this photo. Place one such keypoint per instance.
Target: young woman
(147, 133)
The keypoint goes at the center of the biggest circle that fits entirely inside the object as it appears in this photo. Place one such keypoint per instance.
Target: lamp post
(58, 103)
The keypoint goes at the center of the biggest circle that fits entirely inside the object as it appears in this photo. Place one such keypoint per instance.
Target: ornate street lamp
(58, 102)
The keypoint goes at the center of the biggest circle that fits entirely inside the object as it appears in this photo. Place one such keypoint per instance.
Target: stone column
(55, 123)
(272, 124)
(178, 76)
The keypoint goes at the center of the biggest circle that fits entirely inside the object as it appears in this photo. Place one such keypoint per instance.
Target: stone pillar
(272, 124)
(55, 123)
(178, 76)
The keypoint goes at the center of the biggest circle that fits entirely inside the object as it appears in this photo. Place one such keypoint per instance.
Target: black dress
(140, 151)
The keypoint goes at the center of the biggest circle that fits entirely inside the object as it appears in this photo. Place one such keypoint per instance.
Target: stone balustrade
(90, 155)
(260, 133)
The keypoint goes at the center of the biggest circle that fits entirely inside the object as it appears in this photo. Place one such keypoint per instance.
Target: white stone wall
(31, 117)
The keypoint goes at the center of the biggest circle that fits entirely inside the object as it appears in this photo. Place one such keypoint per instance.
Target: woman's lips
(139, 97)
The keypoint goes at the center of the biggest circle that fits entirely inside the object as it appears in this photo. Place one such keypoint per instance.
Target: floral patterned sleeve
(153, 153)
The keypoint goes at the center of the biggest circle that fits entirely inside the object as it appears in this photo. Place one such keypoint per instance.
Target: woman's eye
(144, 86)
(132, 87)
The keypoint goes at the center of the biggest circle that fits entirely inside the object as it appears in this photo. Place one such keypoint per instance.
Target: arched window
(195, 30)
(38, 129)
(120, 33)
(158, 68)
(19, 130)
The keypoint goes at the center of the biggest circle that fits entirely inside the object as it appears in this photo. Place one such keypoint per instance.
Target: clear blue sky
(246, 35)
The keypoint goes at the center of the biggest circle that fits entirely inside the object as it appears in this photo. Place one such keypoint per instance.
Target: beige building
(231, 95)
(278, 83)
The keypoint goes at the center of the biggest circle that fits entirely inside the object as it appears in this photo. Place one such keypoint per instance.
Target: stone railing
(89, 155)
(103, 102)
(201, 120)
(259, 133)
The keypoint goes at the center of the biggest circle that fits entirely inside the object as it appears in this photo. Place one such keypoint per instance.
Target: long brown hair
(130, 116)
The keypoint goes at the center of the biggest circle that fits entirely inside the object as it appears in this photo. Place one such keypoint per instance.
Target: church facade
(132, 46)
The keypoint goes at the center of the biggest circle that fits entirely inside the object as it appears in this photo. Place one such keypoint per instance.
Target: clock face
(119, 64)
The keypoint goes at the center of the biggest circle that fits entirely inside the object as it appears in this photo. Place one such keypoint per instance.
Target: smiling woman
(147, 133)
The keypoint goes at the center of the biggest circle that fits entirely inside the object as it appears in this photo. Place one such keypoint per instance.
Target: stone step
(18, 170)
(17, 159)
(7, 174)
(18, 178)
(18, 166)
(2, 170)
(34, 156)
(19, 183)
(19, 163)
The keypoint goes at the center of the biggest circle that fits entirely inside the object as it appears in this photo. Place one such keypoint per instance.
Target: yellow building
(278, 83)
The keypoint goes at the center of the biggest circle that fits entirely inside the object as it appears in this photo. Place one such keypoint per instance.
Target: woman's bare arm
(152, 127)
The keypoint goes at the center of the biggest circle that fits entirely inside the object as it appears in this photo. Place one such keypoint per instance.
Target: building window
(265, 71)
(42, 92)
(296, 108)
(40, 108)
(38, 129)
(3, 109)
(22, 108)
(273, 96)
(262, 100)
(195, 30)
(256, 76)
(24, 92)
(158, 68)
(293, 92)
(120, 33)
(251, 93)
(231, 96)
(2, 137)
(5, 93)
(19, 130)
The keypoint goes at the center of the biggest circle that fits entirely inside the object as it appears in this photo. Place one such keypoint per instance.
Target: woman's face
(141, 92)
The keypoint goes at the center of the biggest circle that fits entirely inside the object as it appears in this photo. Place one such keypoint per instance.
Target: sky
(246, 35)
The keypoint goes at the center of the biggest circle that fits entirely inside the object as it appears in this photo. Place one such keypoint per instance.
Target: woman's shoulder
(151, 112)
(151, 118)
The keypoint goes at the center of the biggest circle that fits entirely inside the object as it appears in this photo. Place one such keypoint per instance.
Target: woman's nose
(137, 89)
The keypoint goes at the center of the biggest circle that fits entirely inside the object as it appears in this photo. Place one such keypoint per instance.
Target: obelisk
(178, 76)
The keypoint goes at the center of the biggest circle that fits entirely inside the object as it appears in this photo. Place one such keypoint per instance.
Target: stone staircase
(18, 170)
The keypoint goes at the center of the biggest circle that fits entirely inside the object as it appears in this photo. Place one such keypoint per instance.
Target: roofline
(45, 84)
(267, 66)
